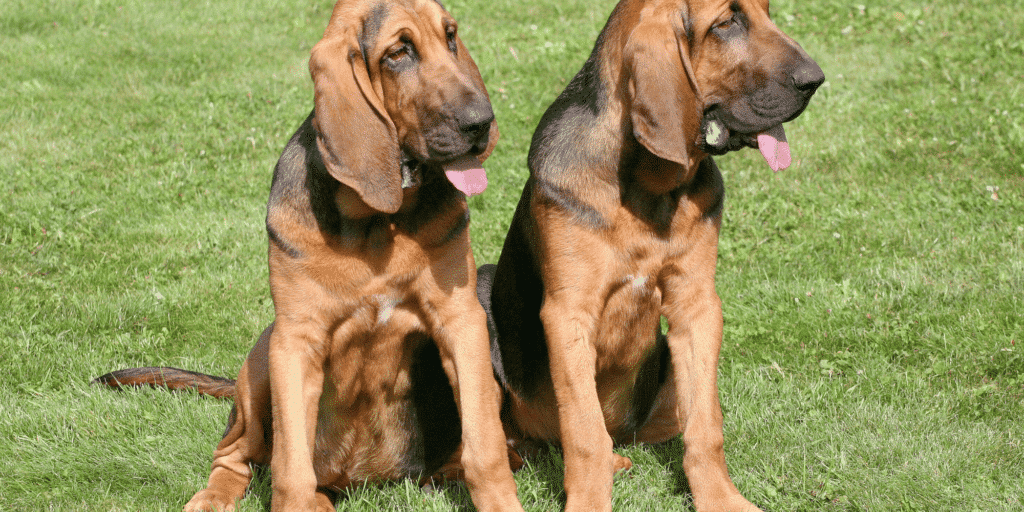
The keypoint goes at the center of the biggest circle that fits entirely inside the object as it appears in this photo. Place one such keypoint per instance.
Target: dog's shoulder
(565, 124)
(290, 188)
(301, 193)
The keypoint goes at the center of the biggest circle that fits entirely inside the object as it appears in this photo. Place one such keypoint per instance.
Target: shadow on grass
(540, 484)
(369, 496)
(544, 470)
(670, 455)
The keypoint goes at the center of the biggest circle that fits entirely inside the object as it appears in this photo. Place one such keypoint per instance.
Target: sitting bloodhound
(617, 228)
(379, 349)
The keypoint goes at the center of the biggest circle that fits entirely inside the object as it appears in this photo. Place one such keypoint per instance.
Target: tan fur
(332, 370)
(630, 235)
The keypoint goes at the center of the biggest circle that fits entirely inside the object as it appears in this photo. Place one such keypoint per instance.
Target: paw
(733, 503)
(620, 463)
(210, 500)
(324, 503)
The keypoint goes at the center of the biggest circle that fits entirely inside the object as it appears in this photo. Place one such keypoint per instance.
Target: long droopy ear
(356, 138)
(662, 101)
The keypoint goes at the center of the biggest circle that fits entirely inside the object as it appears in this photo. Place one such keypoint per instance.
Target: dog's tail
(170, 378)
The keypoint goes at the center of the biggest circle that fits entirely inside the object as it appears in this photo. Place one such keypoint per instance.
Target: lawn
(873, 292)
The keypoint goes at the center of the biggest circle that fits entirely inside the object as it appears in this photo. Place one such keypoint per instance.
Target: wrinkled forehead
(706, 11)
(384, 18)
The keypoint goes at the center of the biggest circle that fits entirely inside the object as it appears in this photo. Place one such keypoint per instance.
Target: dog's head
(396, 92)
(714, 76)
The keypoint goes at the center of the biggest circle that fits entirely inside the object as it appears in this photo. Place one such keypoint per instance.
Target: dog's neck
(412, 174)
(351, 206)
(657, 175)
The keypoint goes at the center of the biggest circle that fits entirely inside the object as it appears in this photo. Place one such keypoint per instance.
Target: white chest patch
(385, 308)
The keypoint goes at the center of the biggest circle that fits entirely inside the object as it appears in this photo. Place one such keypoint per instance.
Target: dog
(376, 366)
(617, 227)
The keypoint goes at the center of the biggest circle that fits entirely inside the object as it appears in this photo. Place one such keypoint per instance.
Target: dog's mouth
(467, 174)
(464, 172)
(717, 139)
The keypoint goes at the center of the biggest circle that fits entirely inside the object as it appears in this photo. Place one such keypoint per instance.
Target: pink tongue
(774, 148)
(467, 175)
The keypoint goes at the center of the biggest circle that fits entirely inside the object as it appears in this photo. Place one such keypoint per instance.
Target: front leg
(694, 314)
(296, 382)
(586, 445)
(461, 336)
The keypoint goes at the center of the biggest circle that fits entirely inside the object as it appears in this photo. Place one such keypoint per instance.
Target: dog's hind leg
(246, 439)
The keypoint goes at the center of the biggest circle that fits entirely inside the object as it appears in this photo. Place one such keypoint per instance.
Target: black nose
(808, 77)
(475, 130)
(475, 124)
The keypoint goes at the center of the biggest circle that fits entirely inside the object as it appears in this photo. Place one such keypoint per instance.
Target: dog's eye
(730, 27)
(450, 34)
(398, 52)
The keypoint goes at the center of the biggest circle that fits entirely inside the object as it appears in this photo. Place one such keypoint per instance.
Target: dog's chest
(638, 268)
(366, 411)
(632, 308)
(377, 331)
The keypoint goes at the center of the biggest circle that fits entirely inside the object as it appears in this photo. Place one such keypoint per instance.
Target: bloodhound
(618, 227)
(376, 366)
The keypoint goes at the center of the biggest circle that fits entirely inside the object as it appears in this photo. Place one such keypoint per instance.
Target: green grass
(874, 350)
